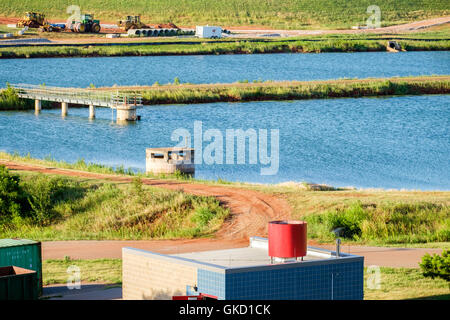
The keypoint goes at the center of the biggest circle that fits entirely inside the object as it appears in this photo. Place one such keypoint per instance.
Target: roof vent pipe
(338, 247)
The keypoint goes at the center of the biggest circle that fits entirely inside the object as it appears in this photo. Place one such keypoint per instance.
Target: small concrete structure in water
(169, 160)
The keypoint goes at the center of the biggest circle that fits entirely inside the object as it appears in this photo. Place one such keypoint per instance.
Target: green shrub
(120, 169)
(387, 222)
(138, 186)
(44, 193)
(11, 195)
(202, 216)
(9, 100)
(348, 223)
(436, 266)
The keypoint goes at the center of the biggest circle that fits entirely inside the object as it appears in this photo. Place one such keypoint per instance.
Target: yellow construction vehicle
(131, 22)
(32, 20)
(37, 20)
(47, 27)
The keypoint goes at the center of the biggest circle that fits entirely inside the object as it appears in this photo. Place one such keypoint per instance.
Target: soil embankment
(250, 210)
(250, 213)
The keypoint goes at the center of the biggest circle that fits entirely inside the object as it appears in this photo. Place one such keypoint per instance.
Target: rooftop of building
(256, 254)
(4, 243)
(166, 149)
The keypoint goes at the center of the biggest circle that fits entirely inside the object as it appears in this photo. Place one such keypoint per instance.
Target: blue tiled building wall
(212, 283)
(319, 282)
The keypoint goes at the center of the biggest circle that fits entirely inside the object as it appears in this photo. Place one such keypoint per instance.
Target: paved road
(380, 256)
(86, 292)
(388, 257)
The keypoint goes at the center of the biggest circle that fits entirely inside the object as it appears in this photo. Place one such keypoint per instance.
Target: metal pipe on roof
(338, 247)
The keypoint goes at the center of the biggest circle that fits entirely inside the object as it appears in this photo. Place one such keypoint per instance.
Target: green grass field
(288, 14)
(94, 271)
(406, 283)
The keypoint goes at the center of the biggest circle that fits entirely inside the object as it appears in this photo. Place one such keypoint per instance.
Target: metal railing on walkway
(111, 99)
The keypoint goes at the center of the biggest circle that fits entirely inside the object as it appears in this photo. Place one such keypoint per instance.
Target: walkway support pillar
(126, 113)
(91, 111)
(64, 108)
(37, 106)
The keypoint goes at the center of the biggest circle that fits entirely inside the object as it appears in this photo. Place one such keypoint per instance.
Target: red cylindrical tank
(287, 239)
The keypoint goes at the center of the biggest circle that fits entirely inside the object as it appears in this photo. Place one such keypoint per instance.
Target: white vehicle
(208, 32)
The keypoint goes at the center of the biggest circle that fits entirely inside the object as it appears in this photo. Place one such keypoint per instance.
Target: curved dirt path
(250, 210)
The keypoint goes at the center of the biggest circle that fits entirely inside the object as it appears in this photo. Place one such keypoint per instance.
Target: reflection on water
(396, 142)
(108, 71)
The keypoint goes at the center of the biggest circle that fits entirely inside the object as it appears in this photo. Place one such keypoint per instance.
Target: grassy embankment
(258, 91)
(295, 90)
(388, 222)
(48, 207)
(396, 283)
(209, 47)
(397, 218)
(373, 217)
(293, 14)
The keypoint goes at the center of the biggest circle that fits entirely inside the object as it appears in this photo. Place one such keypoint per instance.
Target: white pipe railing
(82, 96)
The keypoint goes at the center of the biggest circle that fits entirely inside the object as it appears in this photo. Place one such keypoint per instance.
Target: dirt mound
(169, 25)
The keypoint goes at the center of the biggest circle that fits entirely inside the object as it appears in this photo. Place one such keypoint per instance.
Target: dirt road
(240, 31)
(379, 256)
(250, 210)
(250, 213)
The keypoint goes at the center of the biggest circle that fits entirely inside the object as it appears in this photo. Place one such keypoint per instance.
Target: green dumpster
(22, 253)
(18, 284)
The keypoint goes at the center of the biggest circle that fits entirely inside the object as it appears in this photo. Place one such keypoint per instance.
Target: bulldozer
(37, 20)
(131, 22)
(32, 20)
(86, 24)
